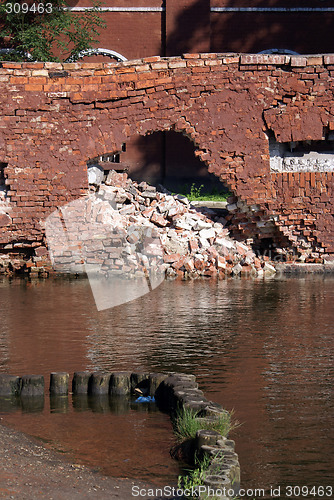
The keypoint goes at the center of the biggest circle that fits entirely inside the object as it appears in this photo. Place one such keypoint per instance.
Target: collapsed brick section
(126, 229)
(55, 117)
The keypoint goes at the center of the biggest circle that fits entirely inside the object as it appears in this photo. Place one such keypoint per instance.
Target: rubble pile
(135, 229)
(195, 241)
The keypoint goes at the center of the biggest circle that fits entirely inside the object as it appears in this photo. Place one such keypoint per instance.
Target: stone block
(315, 60)
(32, 385)
(120, 383)
(5, 220)
(298, 61)
(264, 59)
(10, 385)
(159, 220)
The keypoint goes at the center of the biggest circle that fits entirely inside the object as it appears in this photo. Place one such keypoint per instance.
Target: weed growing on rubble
(196, 193)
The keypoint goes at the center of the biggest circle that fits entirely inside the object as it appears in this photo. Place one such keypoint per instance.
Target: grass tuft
(196, 193)
(195, 477)
(186, 423)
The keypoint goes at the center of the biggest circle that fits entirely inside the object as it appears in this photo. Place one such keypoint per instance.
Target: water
(262, 348)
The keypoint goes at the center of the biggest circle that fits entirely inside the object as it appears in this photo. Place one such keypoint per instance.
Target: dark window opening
(326, 144)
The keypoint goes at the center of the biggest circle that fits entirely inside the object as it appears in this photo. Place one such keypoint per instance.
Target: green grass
(186, 423)
(196, 193)
(195, 477)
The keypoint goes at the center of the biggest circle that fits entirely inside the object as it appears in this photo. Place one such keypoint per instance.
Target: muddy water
(264, 349)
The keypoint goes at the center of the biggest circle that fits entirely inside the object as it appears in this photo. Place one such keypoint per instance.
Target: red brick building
(139, 28)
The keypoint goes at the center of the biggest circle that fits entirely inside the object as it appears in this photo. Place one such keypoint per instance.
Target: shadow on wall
(167, 158)
(303, 32)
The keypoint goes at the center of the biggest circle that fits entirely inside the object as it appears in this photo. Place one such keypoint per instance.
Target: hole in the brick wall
(98, 168)
(265, 246)
(58, 74)
(169, 158)
(275, 245)
(3, 186)
(302, 156)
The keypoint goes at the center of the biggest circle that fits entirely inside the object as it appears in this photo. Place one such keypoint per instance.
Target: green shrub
(52, 34)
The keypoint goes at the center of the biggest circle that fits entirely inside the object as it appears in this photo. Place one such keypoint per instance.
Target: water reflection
(262, 348)
(94, 431)
(118, 405)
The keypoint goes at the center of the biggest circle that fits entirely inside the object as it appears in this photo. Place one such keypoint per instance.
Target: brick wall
(305, 32)
(54, 118)
(197, 26)
(141, 29)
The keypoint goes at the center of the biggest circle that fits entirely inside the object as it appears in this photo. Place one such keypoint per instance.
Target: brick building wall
(172, 27)
(138, 29)
(253, 26)
(54, 118)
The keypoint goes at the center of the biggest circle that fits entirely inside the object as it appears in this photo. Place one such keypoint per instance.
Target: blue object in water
(145, 399)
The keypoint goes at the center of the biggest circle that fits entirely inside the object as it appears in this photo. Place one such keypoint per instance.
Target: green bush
(52, 35)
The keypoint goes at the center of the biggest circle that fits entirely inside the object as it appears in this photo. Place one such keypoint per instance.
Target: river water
(261, 348)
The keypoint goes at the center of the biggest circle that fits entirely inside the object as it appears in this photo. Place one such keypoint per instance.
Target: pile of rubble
(128, 228)
(195, 241)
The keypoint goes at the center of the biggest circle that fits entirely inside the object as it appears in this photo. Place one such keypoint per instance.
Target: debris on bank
(195, 240)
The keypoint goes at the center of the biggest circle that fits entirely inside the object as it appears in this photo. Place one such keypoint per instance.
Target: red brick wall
(53, 118)
(187, 26)
(303, 32)
(133, 35)
(191, 26)
(178, 26)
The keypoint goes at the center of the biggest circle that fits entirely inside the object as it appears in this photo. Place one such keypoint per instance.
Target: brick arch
(224, 156)
(54, 117)
(109, 137)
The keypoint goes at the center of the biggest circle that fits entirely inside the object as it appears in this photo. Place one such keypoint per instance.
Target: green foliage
(186, 423)
(48, 36)
(196, 193)
(195, 477)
